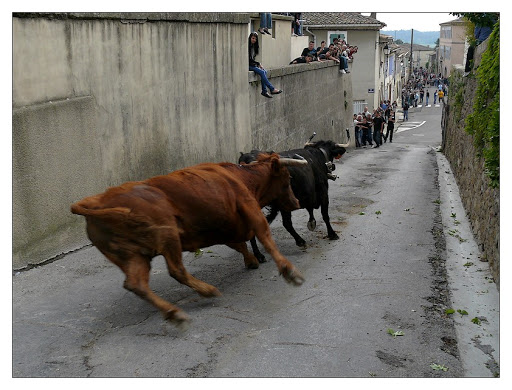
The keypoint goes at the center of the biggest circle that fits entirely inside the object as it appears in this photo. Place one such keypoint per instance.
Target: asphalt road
(390, 272)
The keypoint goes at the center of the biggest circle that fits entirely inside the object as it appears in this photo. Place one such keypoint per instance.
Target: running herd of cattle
(205, 205)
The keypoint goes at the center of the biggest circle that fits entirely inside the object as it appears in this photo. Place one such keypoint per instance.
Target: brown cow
(188, 209)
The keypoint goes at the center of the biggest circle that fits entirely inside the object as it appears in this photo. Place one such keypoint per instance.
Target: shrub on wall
(484, 122)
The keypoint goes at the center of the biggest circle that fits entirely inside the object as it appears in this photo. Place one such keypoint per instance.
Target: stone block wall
(481, 202)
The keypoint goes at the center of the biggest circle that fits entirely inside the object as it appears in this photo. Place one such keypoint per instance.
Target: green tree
(484, 19)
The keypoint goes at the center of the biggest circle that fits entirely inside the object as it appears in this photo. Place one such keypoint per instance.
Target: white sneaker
(342, 71)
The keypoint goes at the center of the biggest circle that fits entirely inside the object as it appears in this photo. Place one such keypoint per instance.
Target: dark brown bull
(188, 209)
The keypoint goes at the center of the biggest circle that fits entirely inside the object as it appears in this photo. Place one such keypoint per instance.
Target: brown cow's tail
(86, 208)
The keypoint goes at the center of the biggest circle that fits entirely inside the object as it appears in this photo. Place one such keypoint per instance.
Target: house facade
(421, 55)
(452, 42)
(357, 30)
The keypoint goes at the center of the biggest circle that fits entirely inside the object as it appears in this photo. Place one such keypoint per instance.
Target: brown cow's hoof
(294, 277)
(334, 237)
(178, 318)
(312, 225)
(209, 291)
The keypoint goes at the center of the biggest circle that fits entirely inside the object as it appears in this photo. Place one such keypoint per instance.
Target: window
(446, 32)
(359, 106)
(446, 52)
(336, 34)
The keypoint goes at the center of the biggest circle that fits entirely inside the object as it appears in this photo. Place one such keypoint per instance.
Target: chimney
(373, 15)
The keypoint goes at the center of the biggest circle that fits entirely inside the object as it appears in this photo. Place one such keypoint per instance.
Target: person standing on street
(390, 128)
(441, 96)
(427, 96)
(357, 130)
(387, 112)
(369, 125)
(378, 129)
(406, 111)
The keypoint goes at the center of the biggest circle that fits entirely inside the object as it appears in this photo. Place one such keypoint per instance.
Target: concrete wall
(314, 100)
(481, 202)
(298, 44)
(365, 66)
(100, 99)
(274, 49)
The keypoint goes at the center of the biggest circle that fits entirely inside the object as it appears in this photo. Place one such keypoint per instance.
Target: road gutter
(470, 282)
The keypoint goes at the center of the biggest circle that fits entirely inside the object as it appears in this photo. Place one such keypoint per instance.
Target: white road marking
(409, 126)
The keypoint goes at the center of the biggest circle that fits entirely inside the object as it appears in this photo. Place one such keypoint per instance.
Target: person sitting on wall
(321, 49)
(309, 50)
(265, 23)
(327, 56)
(296, 30)
(351, 51)
(302, 60)
(344, 60)
(256, 67)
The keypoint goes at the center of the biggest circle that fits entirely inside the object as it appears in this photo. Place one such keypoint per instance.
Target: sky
(419, 21)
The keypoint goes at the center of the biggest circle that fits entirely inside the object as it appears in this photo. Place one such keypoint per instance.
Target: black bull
(309, 184)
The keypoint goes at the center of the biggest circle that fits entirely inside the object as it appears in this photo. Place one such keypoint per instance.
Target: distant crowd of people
(417, 89)
(369, 127)
(338, 51)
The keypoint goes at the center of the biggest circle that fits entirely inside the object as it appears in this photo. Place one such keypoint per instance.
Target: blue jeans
(359, 137)
(297, 29)
(367, 137)
(343, 63)
(266, 20)
(406, 115)
(264, 80)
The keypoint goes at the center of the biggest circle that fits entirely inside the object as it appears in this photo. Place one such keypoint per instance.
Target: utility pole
(412, 36)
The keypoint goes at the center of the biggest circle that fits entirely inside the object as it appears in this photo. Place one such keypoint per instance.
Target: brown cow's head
(279, 189)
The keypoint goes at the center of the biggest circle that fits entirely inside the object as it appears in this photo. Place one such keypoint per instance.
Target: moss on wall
(465, 150)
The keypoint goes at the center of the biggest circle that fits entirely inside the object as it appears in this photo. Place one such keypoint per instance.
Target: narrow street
(373, 303)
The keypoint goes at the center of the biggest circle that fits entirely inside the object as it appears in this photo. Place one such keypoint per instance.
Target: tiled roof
(415, 47)
(455, 21)
(339, 19)
(399, 49)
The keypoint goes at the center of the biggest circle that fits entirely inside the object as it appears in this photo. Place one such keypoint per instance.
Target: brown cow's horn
(343, 145)
(291, 161)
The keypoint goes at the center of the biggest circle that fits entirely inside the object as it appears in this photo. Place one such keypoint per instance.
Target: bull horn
(309, 144)
(291, 162)
(348, 143)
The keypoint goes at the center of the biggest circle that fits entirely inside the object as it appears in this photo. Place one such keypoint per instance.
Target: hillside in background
(427, 38)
